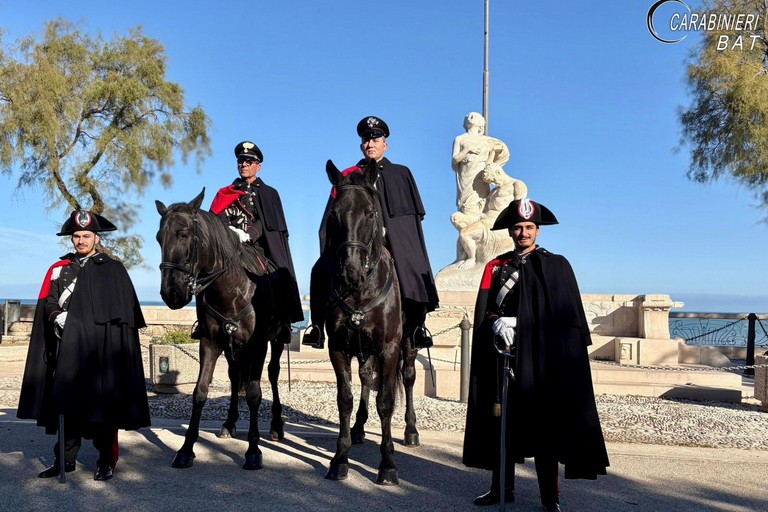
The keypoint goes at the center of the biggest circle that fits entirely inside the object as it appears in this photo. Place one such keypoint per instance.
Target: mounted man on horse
(237, 291)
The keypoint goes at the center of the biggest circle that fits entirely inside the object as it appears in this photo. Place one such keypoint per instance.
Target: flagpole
(485, 65)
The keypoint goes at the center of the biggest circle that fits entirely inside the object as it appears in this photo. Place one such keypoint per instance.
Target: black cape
(275, 237)
(98, 377)
(403, 212)
(551, 399)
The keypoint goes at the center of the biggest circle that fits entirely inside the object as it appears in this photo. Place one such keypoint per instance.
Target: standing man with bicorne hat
(84, 361)
(403, 212)
(529, 305)
(254, 211)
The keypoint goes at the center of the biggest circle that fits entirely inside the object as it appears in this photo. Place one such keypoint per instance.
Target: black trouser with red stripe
(104, 440)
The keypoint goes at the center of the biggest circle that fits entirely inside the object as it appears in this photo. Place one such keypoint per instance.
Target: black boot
(422, 338)
(55, 470)
(285, 334)
(554, 507)
(493, 497)
(314, 337)
(103, 472)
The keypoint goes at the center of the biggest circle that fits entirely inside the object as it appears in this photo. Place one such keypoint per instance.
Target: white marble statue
(483, 190)
(478, 243)
(472, 152)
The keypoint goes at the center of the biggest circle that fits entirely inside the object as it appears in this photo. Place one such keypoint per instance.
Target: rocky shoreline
(625, 419)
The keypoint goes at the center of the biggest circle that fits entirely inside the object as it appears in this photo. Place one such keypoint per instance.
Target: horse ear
(196, 202)
(333, 172)
(161, 209)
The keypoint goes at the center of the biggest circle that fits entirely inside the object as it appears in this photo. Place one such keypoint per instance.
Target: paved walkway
(641, 478)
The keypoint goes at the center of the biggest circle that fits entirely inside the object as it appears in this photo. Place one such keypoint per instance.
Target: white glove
(60, 319)
(242, 235)
(504, 328)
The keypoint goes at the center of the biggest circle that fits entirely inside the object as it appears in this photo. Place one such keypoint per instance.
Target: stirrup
(313, 337)
(198, 332)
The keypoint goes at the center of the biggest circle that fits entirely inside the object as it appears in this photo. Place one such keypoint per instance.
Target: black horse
(365, 320)
(234, 284)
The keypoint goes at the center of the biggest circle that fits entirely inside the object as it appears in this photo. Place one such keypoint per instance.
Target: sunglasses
(247, 160)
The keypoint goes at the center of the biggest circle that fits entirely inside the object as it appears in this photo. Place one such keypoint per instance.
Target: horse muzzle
(175, 293)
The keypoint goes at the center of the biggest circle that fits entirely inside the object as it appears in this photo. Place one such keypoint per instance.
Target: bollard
(750, 344)
(465, 325)
(11, 314)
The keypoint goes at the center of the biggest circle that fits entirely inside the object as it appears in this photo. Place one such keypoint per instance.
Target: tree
(91, 123)
(726, 124)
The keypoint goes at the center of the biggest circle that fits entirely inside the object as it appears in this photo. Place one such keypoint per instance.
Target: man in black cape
(84, 358)
(254, 211)
(403, 212)
(529, 302)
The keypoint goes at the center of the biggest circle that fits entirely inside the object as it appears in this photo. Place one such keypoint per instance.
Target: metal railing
(730, 330)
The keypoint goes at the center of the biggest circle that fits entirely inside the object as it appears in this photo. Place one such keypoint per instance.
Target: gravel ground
(626, 419)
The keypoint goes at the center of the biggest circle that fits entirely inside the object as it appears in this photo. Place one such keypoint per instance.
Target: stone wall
(160, 319)
(632, 329)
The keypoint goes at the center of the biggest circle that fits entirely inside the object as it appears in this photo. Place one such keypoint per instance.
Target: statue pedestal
(454, 279)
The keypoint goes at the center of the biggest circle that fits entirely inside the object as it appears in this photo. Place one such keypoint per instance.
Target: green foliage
(174, 337)
(726, 124)
(91, 123)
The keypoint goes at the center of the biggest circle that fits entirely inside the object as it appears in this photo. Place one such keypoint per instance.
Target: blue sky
(584, 97)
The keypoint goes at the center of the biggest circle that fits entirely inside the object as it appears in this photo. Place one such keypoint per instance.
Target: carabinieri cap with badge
(83, 220)
(524, 210)
(249, 149)
(372, 127)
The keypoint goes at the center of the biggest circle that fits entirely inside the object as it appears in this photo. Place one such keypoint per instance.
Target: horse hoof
(411, 439)
(358, 437)
(226, 432)
(388, 477)
(275, 435)
(253, 461)
(183, 460)
(337, 472)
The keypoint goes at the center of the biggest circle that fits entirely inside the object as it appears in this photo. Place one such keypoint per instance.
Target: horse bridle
(366, 247)
(358, 315)
(195, 285)
(229, 325)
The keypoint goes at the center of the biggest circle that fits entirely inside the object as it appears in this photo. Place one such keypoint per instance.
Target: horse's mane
(214, 235)
(357, 178)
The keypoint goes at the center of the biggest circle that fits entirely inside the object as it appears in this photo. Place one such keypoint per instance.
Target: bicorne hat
(524, 210)
(372, 127)
(83, 220)
(248, 149)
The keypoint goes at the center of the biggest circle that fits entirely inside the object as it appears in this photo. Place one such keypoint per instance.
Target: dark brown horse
(234, 285)
(365, 320)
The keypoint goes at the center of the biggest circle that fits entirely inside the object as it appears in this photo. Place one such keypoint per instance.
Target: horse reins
(357, 315)
(229, 325)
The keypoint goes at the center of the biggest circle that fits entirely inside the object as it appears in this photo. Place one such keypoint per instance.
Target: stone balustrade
(630, 329)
